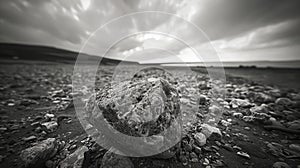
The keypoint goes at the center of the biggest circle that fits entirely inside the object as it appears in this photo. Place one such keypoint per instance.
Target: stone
(237, 115)
(235, 103)
(205, 162)
(295, 125)
(295, 96)
(49, 116)
(30, 138)
(200, 139)
(36, 156)
(262, 98)
(51, 125)
(197, 149)
(209, 130)
(140, 108)
(280, 165)
(249, 118)
(284, 101)
(225, 123)
(295, 147)
(228, 147)
(112, 160)
(74, 160)
(243, 154)
(2, 129)
(259, 109)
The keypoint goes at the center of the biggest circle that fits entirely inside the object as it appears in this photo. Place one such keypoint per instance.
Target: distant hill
(10, 51)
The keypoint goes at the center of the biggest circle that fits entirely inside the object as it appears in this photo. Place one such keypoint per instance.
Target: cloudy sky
(238, 30)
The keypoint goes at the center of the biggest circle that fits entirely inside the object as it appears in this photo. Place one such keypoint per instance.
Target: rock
(2, 129)
(284, 101)
(228, 147)
(36, 156)
(259, 109)
(209, 130)
(274, 92)
(197, 149)
(30, 138)
(225, 123)
(262, 98)
(243, 154)
(249, 118)
(138, 108)
(280, 165)
(295, 96)
(205, 162)
(295, 125)
(49, 116)
(200, 139)
(237, 115)
(252, 149)
(51, 125)
(235, 103)
(295, 147)
(74, 160)
(112, 160)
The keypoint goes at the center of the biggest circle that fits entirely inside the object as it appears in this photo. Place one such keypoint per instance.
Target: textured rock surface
(37, 155)
(74, 160)
(112, 160)
(141, 107)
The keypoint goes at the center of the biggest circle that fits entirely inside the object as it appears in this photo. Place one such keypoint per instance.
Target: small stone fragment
(30, 138)
(74, 160)
(243, 154)
(200, 139)
(280, 165)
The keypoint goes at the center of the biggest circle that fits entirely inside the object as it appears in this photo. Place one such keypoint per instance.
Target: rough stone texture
(74, 160)
(37, 155)
(140, 107)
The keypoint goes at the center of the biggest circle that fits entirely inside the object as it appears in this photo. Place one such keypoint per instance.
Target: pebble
(205, 162)
(228, 147)
(30, 138)
(74, 160)
(295, 147)
(247, 128)
(237, 115)
(284, 101)
(51, 125)
(243, 154)
(280, 165)
(3, 129)
(200, 139)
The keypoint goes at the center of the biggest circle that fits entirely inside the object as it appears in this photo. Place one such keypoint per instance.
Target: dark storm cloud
(230, 24)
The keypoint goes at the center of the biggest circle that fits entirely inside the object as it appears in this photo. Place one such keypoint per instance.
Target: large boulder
(36, 156)
(140, 107)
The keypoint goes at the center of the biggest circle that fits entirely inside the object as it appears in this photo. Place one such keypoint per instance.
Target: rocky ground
(253, 125)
